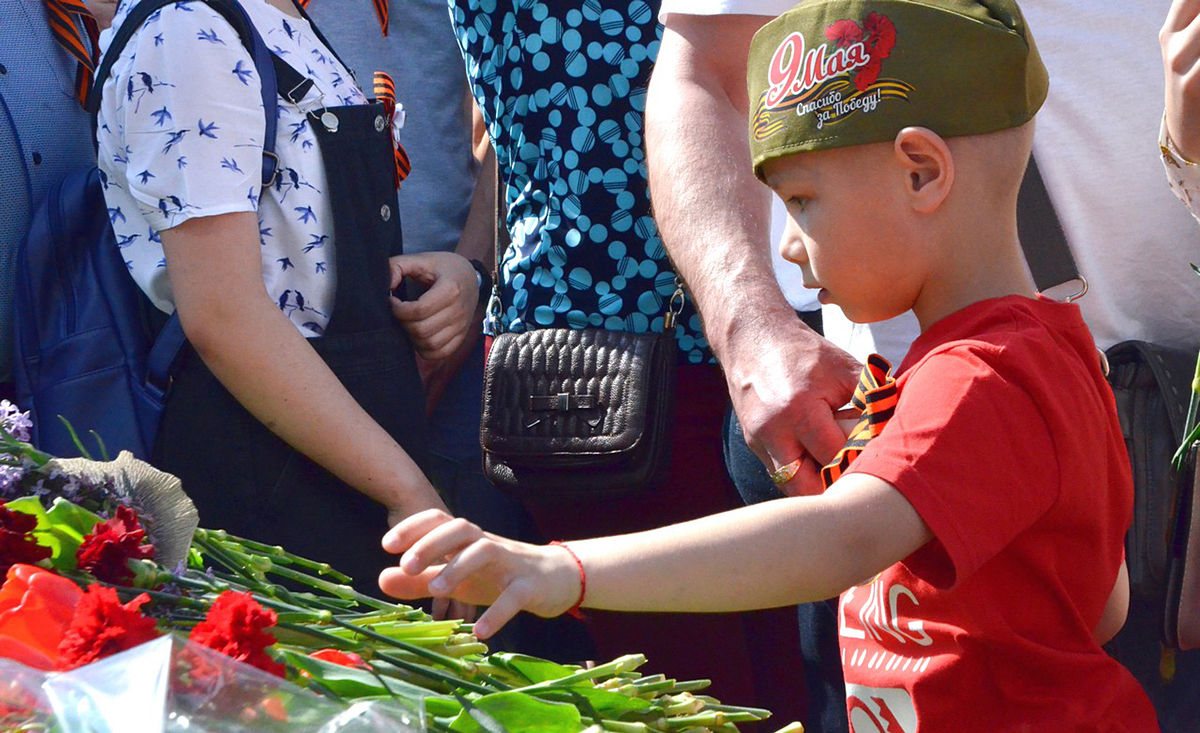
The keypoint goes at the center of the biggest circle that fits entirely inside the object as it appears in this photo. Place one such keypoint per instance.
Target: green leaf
(72, 517)
(596, 702)
(531, 668)
(516, 711)
(351, 682)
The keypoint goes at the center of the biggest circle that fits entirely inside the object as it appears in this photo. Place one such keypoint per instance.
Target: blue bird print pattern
(168, 154)
(562, 87)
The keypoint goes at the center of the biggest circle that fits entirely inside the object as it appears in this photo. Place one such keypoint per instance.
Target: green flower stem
(763, 713)
(454, 683)
(467, 669)
(619, 726)
(710, 719)
(241, 565)
(463, 650)
(441, 631)
(278, 554)
(621, 664)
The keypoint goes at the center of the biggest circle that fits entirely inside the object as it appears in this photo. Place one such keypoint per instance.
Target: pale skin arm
(762, 556)
(784, 380)
(1180, 41)
(267, 365)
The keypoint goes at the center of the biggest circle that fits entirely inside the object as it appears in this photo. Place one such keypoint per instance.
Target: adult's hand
(714, 216)
(1180, 41)
(442, 317)
(786, 384)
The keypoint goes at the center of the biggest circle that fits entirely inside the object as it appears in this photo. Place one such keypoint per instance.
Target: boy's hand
(1180, 41)
(446, 557)
(441, 319)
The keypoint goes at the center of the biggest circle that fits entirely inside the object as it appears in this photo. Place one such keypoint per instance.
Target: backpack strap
(273, 72)
(266, 64)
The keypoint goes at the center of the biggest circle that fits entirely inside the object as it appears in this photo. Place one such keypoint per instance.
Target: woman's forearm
(267, 365)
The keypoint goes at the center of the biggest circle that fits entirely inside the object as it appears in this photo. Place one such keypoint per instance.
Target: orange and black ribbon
(66, 17)
(876, 395)
(385, 92)
(381, 12)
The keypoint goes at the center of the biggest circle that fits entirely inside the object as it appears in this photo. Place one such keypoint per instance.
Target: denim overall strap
(356, 143)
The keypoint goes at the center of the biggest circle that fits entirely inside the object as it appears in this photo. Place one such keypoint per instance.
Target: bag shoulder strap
(1041, 233)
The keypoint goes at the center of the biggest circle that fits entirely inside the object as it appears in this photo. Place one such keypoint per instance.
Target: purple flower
(15, 423)
(10, 476)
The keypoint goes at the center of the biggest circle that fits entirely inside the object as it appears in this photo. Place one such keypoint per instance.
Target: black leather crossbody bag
(571, 414)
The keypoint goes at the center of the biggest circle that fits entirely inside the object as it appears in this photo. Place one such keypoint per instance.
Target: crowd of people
(823, 182)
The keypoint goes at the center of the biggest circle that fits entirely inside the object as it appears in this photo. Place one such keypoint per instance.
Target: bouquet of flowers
(115, 604)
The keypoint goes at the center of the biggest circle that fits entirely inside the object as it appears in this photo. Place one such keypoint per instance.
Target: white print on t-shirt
(880, 614)
(880, 710)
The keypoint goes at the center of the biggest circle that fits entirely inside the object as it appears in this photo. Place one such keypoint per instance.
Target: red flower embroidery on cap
(844, 33)
(880, 40)
(17, 545)
(106, 552)
(235, 626)
(103, 626)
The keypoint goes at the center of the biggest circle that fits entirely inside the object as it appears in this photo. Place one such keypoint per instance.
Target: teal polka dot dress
(562, 87)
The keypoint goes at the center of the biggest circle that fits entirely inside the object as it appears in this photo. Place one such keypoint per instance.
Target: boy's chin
(865, 314)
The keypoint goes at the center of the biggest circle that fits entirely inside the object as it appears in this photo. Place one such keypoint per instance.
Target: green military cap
(835, 73)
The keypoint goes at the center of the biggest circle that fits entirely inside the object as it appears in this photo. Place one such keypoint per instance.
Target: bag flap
(569, 392)
(1172, 370)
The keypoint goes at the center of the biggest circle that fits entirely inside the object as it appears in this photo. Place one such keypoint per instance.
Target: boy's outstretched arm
(774, 554)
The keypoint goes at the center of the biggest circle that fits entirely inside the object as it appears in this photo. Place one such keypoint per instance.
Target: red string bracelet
(574, 610)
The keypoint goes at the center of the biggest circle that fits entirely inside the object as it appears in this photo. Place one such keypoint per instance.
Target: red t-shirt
(1005, 440)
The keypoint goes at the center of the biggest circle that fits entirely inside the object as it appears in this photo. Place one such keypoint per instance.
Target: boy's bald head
(841, 73)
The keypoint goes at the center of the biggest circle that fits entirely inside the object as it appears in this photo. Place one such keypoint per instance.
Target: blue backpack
(83, 352)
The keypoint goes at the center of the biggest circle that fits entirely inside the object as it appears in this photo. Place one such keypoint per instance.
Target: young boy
(974, 524)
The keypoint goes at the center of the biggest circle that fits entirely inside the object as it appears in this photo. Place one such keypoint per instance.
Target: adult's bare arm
(1180, 41)
(713, 214)
(264, 362)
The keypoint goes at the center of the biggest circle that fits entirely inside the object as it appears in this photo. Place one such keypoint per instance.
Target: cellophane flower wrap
(119, 613)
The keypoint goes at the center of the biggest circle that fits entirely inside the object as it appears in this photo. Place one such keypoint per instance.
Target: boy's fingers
(410, 529)
(439, 543)
(463, 566)
(399, 584)
(1181, 14)
(509, 604)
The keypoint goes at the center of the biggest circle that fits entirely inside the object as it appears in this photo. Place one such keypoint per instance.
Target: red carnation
(844, 33)
(102, 626)
(106, 552)
(235, 627)
(17, 545)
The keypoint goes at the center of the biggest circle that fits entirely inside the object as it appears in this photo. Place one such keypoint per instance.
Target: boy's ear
(928, 166)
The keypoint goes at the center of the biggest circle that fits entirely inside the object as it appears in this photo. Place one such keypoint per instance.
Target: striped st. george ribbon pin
(385, 92)
(876, 395)
(69, 21)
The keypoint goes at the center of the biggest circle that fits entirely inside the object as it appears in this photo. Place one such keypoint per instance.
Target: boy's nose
(791, 245)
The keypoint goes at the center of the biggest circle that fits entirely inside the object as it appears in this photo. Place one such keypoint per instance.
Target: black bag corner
(1152, 388)
(573, 414)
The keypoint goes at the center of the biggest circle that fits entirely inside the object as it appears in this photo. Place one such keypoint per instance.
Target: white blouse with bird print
(180, 136)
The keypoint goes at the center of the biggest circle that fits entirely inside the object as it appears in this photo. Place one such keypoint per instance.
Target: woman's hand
(1180, 41)
(444, 557)
(441, 319)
